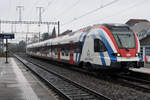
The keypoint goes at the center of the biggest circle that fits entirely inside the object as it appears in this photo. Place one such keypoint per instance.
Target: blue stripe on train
(84, 37)
(77, 55)
(102, 58)
(83, 40)
(101, 53)
(110, 51)
(105, 41)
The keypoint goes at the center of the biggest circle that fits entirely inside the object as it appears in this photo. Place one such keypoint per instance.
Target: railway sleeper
(75, 93)
(83, 97)
(66, 89)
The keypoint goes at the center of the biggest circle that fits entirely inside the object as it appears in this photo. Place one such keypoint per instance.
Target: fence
(145, 51)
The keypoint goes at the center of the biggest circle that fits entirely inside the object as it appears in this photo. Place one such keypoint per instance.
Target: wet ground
(143, 69)
(17, 83)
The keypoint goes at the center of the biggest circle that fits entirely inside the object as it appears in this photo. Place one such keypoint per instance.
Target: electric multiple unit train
(106, 46)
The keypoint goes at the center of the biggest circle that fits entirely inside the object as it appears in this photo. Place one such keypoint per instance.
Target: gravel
(108, 88)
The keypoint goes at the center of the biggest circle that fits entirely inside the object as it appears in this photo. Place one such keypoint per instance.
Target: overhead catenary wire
(121, 11)
(90, 12)
(69, 8)
(48, 4)
(30, 10)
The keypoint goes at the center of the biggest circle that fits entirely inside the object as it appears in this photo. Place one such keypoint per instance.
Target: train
(101, 46)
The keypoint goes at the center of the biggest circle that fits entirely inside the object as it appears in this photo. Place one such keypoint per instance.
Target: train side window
(54, 49)
(66, 50)
(77, 47)
(62, 50)
(99, 46)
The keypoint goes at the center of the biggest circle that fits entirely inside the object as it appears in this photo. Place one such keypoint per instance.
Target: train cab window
(99, 46)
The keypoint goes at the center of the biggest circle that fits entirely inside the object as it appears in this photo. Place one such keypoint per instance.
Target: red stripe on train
(136, 43)
(71, 53)
(58, 52)
(130, 52)
(111, 36)
(123, 52)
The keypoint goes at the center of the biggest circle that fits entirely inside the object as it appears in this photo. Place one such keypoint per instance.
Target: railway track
(134, 82)
(129, 80)
(66, 88)
(143, 76)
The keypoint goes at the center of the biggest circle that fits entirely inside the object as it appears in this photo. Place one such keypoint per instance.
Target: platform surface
(17, 83)
(142, 70)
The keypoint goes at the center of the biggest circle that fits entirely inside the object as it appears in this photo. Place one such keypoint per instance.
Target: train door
(58, 52)
(100, 53)
(71, 61)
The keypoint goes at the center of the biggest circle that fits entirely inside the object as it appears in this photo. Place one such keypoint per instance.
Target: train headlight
(116, 54)
(137, 54)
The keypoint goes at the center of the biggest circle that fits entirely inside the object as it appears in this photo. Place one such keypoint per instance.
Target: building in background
(142, 28)
(132, 22)
(1, 45)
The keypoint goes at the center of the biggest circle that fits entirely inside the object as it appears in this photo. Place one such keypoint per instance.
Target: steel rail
(66, 88)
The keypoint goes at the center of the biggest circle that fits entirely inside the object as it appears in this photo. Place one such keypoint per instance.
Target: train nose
(128, 53)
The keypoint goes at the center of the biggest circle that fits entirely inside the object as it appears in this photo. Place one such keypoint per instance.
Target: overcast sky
(73, 14)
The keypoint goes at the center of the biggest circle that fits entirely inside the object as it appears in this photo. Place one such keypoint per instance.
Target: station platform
(18, 83)
(142, 70)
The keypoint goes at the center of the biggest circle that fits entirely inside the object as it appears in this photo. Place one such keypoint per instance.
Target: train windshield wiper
(127, 49)
(119, 40)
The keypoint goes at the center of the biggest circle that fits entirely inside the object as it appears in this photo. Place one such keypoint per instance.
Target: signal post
(6, 36)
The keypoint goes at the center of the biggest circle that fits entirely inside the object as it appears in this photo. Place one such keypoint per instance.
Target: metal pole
(48, 28)
(40, 18)
(20, 12)
(144, 53)
(0, 26)
(3, 46)
(40, 13)
(27, 36)
(58, 28)
(6, 51)
(1, 39)
(11, 28)
(39, 32)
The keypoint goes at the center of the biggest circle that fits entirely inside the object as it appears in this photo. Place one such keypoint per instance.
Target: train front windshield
(124, 37)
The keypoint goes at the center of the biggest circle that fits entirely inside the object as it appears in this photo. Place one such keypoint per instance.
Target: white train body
(103, 46)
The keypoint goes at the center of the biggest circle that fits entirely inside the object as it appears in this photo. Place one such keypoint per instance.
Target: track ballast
(66, 88)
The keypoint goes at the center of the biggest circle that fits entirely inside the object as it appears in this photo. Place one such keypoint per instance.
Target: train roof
(115, 25)
(73, 36)
(39, 44)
